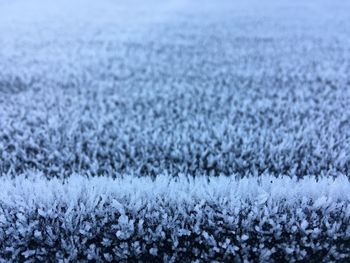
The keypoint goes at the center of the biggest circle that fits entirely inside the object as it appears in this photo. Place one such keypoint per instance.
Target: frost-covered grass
(150, 91)
(181, 87)
(183, 219)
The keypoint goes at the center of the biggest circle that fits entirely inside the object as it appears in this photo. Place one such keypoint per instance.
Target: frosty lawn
(261, 219)
(182, 89)
(174, 131)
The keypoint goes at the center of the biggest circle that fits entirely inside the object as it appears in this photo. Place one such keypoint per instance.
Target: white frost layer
(172, 220)
(34, 191)
(192, 87)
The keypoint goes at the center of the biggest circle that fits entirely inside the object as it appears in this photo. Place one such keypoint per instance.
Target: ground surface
(183, 88)
(232, 88)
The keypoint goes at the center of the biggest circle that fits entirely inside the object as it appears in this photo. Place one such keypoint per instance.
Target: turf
(202, 90)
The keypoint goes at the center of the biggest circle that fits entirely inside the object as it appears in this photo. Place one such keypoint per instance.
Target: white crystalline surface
(174, 130)
(131, 218)
(106, 87)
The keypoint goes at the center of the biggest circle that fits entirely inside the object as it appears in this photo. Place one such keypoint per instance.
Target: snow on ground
(252, 90)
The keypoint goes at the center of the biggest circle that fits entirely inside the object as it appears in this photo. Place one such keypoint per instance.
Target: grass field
(174, 131)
